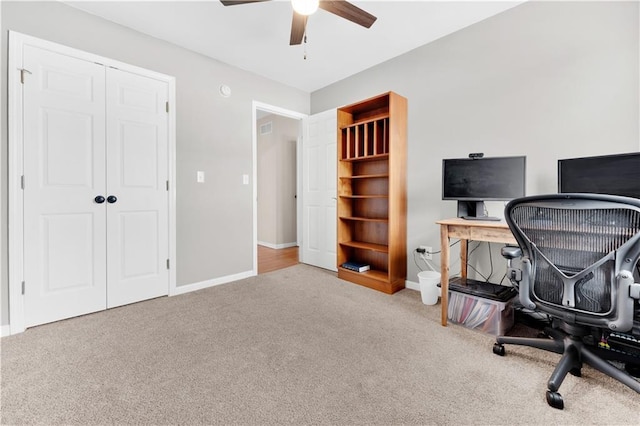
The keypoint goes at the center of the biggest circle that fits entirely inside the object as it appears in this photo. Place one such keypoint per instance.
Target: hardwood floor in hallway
(273, 259)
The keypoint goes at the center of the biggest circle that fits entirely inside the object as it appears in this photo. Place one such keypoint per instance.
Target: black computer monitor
(607, 174)
(472, 181)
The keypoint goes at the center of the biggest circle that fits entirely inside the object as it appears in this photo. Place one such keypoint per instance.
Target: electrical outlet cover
(427, 252)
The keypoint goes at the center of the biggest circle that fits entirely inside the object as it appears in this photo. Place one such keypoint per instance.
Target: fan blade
(298, 26)
(348, 11)
(236, 2)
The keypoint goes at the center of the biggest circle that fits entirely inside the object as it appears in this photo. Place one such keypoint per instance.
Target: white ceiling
(255, 37)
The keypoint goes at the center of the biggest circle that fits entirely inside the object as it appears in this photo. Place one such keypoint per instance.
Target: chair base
(574, 353)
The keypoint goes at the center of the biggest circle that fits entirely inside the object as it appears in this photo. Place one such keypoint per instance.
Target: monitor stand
(474, 210)
(490, 218)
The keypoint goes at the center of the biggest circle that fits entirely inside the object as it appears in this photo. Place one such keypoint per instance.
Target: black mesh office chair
(579, 253)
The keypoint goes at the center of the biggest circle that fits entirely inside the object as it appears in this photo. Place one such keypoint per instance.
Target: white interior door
(319, 156)
(64, 170)
(137, 164)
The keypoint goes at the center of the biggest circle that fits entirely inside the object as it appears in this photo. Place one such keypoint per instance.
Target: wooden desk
(465, 230)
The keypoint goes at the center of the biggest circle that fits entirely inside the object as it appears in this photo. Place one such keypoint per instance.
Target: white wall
(277, 181)
(549, 80)
(214, 134)
(267, 150)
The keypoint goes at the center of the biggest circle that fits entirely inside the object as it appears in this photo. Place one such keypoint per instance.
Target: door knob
(99, 199)
(111, 199)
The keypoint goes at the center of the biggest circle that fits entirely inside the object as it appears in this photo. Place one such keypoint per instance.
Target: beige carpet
(295, 346)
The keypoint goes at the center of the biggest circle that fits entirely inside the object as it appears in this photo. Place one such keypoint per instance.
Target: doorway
(260, 111)
(315, 183)
(276, 153)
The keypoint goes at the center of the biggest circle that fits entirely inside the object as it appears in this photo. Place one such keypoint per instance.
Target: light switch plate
(245, 179)
(199, 177)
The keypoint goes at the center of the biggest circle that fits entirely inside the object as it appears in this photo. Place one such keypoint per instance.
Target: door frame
(255, 106)
(17, 41)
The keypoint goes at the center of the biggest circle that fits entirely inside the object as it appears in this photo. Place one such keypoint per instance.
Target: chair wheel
(498, 349)
(542, 335)
(554, 399)
(633, 369)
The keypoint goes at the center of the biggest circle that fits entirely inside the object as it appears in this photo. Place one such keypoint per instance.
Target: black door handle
(111, 199)
(99, 199)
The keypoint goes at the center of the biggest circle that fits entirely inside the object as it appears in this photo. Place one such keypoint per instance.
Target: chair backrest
(579, 256)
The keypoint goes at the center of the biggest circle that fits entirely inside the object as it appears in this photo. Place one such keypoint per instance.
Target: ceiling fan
(303, 8)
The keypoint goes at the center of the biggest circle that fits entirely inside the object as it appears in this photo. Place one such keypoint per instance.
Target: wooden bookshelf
(372, 191)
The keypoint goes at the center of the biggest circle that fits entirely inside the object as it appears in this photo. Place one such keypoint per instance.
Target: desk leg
(464, 258)
(444, 272)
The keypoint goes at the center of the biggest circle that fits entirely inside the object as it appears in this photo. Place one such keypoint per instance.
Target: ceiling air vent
(266, 128)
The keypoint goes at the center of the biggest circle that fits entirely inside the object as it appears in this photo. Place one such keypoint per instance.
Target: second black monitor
(617, 174)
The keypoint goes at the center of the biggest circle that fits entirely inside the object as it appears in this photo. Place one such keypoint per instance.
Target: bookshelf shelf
(376, 176)
(366, 246)
(372, 157)
(377, 277)
(366, 196)
(364, 219)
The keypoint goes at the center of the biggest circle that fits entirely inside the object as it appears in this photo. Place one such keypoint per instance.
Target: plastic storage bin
(479, 313)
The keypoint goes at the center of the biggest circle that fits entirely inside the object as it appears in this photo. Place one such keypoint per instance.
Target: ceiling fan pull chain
(305, 46)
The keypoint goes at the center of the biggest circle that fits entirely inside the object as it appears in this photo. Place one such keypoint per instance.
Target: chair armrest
(510, 252)
(634, 291)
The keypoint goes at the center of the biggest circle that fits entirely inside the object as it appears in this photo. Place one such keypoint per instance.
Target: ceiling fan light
(305, 7)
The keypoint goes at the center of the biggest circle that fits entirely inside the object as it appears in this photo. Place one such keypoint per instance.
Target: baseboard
(5, 330)
(277, 246)
(411, 285)
(188, 288)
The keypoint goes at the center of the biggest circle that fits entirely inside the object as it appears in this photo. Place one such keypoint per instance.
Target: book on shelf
(356, 266)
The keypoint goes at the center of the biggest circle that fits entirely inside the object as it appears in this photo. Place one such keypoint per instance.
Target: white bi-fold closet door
(95, 197)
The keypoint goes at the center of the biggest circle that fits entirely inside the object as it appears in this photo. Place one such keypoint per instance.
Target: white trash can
(429, 289)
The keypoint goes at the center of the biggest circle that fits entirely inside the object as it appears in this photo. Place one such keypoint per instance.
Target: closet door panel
(64, 170)
(137, 164)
